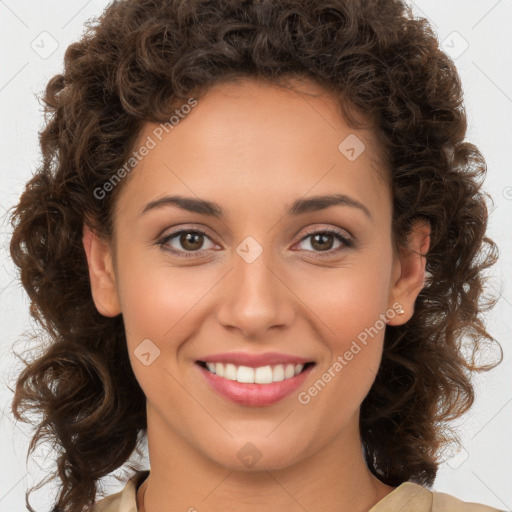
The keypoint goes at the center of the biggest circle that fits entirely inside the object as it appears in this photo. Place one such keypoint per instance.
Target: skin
(254, 149)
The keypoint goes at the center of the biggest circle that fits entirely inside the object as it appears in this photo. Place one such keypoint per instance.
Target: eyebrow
(300, 206)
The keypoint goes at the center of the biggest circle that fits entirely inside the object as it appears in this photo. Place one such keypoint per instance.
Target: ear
(101, 273)
(409, 272)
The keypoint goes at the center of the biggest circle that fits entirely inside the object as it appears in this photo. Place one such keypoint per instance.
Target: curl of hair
(136, 63)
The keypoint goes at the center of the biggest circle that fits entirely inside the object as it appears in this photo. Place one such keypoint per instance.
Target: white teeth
(245, 374)
(219, 369)
(263, 375)
(278, 373)
(230, 371)
(260, 375)
(289, 371)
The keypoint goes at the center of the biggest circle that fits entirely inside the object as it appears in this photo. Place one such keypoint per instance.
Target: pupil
(187, 241)
(321, 237)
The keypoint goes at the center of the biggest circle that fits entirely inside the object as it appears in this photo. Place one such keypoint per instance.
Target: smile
(260, 375)
(256, 387)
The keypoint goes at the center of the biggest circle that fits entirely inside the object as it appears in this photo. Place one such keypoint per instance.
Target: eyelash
(348, 243)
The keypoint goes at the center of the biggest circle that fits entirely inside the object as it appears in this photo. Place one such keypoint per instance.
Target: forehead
(256, 109)
(255, 136)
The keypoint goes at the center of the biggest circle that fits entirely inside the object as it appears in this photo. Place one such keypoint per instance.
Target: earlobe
(101, 273)
(412, 263)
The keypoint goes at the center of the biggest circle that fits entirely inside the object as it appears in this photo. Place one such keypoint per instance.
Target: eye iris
(193, 240)
(322, 237)
(187, 241)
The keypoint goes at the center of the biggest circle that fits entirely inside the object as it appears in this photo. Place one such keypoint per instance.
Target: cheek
(161, 303)
(152, 308)
(351, 299)
(352, 305)
(354, 340)
(150, 293)
(157, 310)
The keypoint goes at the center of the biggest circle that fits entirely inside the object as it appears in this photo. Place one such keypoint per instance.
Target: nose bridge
(256, 296)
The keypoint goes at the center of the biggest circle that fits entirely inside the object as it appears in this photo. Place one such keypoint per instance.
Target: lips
(254, 395)
(255, 360)
(245, 391)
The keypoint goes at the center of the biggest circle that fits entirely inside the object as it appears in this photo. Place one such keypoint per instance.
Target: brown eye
(191, 241)
(185, 242)
(322, 241)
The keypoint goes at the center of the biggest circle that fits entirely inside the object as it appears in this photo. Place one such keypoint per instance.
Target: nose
(255, 299)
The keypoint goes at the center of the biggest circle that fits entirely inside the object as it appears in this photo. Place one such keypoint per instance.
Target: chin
(257, 455)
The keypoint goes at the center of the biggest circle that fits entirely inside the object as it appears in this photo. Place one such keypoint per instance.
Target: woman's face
(261, 279)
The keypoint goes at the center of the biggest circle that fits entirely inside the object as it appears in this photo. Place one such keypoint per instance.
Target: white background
(29, 31)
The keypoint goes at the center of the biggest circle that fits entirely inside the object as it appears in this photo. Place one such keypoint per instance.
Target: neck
(140, 496)
(333, 479)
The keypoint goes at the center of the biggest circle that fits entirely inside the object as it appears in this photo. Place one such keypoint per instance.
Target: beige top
(407, 497)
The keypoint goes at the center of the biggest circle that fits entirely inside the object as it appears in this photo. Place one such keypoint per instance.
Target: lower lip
(255, 395)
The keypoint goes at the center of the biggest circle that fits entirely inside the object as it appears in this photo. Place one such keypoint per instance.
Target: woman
(257, 236)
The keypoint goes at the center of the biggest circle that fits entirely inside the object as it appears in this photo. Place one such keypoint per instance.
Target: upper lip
(254, 360)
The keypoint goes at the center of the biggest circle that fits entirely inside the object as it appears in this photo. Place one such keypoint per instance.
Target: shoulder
(412, 497)
(125, 500)
(442, 502)
(108, 504)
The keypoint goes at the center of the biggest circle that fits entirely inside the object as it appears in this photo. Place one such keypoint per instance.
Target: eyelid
(331, 230)
(173, 230)
(346, 239)
(163, 240)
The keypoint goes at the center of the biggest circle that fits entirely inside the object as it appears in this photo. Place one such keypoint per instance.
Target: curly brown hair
(134, 64)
